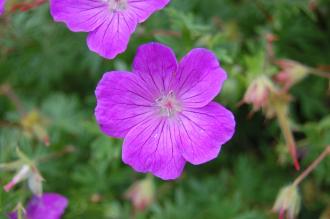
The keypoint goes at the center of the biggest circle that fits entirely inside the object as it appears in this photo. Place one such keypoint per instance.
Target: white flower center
(168, 104)
(116, 5)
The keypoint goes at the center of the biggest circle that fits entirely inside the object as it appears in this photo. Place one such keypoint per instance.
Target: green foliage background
(52, 71)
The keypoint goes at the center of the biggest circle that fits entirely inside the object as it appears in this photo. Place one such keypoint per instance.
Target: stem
(264, 11)
(166, 33)
(311, 167)
(20, 211)
(7, 91)
(66, 150)
(24, 6)
(319, 73)
(4, 123)
(24, 160)
(281, 112)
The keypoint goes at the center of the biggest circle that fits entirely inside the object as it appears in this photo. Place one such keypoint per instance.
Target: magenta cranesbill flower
(2, 6)
(164, 110)
(110, 23)
(47, 206)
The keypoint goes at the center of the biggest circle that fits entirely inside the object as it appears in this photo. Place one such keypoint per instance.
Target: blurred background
(277, 56)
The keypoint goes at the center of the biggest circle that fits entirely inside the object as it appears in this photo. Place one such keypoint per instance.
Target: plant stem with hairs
(281, 110)
(311, 167)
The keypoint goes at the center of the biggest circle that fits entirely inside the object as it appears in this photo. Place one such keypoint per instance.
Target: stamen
(168, 104)
(116, 5)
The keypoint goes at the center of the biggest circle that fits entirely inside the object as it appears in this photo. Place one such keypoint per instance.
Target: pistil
(116, 5)
(168, 104)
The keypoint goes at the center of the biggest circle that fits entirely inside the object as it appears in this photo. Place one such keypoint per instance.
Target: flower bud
(313, 5)
(291, 73)
(141, 194)
(34, 126)
(21, 175)
(35, 182)
(258, 93)
(33, 177)
(288, 201)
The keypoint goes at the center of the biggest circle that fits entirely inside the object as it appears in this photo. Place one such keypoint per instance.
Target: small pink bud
(96, 198)
(291, 73)
(141, 194)
(288, 201)
(258, 93)
(46, 140)
(270, 37)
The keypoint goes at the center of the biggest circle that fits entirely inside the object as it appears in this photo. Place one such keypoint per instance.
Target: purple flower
(110, 23)
(2, 6)
(164, 110)
(48, 206)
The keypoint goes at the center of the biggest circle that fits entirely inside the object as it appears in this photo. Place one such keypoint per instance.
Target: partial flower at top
(164, 110)
(2, 6)
(110, 23)
(47, 206)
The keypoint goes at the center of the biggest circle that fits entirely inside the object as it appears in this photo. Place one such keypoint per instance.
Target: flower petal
(199, 78)
(203, 131)
(151, 147)
(155, 64)
(144, 8)
(49, 206)
(2, 6)
(111, 38)
(122, 103)
(79, 15)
